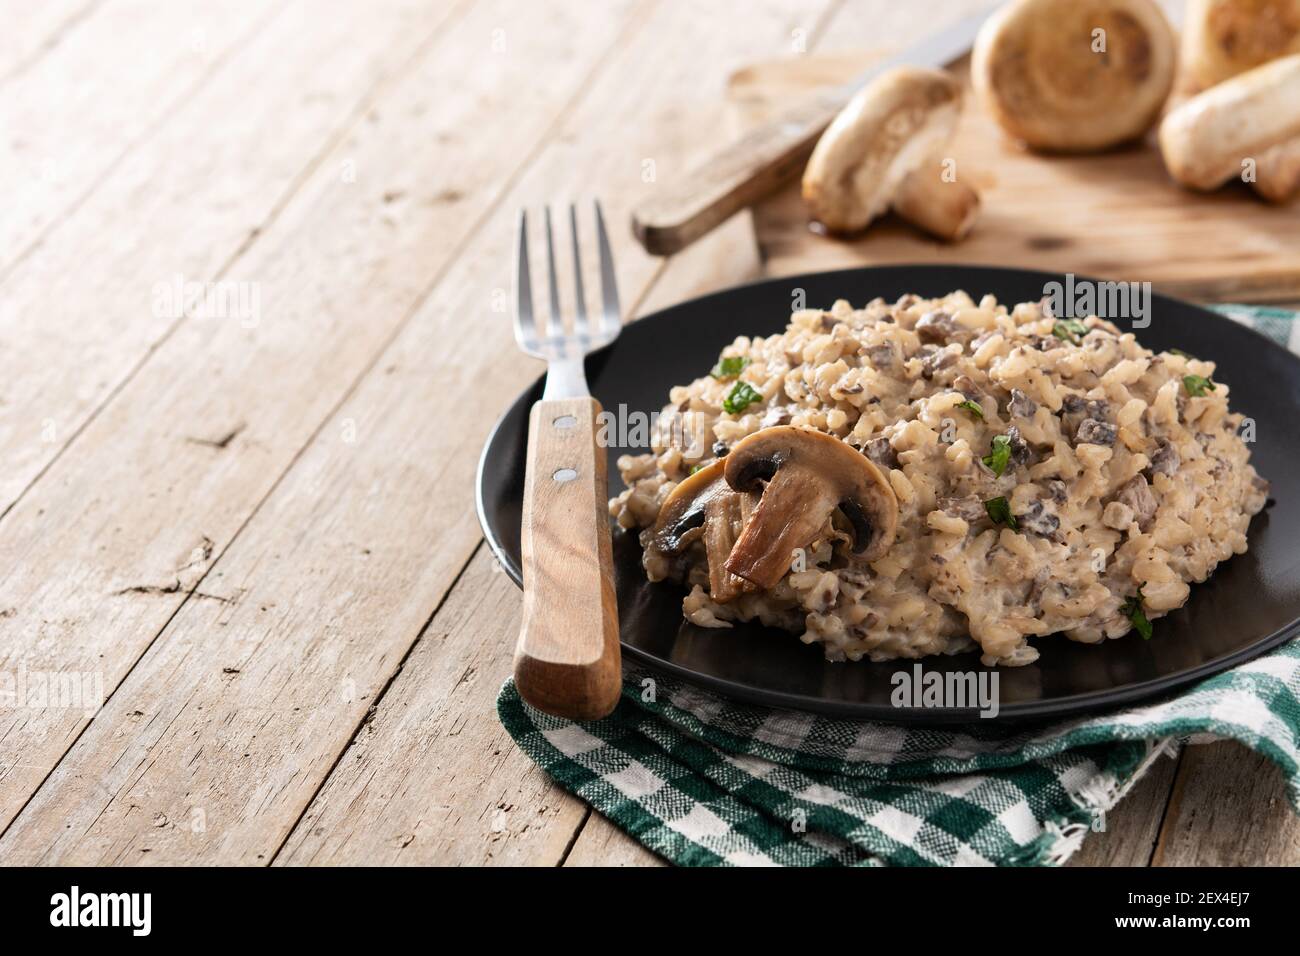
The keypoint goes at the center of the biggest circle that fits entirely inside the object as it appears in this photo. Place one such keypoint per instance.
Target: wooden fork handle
(567, 662)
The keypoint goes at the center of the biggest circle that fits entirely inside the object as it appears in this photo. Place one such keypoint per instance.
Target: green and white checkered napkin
(703, 780)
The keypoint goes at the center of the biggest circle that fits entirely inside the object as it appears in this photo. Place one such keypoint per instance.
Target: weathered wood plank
(34, 29)
(67, 123)
(100, 554)
(1229, 808)
(172, 213)
(431, 777)
(600, 843)
(1132, 827)
(417, 451)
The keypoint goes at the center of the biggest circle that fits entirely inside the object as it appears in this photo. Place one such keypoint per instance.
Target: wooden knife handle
(743, 173)
(567, 662)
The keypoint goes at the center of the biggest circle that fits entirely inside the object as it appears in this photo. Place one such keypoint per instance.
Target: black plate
(1250, 604)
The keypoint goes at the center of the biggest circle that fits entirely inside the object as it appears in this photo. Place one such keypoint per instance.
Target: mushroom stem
(1277, 174)
(781, 523)
(946, 210)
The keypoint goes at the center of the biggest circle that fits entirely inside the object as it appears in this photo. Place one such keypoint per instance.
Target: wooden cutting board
(1115, 215)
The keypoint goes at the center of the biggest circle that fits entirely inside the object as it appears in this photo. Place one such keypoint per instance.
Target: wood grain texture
(34, 29)
(66, 124)
(1132, 828)
(1116, 215)
(567, 661)
(432, 777)
(600, 843)
(171, 214)
(170, 497)
(1229, 807)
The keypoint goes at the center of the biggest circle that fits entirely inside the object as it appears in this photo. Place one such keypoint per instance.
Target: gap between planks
(375, 704)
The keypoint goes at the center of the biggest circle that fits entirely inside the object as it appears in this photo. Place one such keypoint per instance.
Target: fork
(567, 661)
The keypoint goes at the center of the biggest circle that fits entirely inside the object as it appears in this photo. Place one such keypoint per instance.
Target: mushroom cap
(681, 517)
(1035, 69)
(1222, 38)
(1205, 140)
(893, 125)
(808, 475)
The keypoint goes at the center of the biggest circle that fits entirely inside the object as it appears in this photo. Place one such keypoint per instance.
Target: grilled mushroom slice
(705, 507)
(808, 474)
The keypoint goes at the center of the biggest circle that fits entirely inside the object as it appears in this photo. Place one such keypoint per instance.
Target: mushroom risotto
(909, 478)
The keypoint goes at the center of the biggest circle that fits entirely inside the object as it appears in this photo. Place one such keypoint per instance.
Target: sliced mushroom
(1074, 75)
(804, 476)
(886, 148)
(1136, 493)
(1207, 139)
(704, 507)
(1165, 458)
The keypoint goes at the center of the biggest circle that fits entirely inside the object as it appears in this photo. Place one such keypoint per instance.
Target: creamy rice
(1123, 470)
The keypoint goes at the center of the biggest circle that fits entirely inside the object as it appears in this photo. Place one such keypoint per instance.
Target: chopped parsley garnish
(999, 510)
(972, 407)
(1132, 609)
(1000, 456)
(1180, 352)
(741, 396)
(1070, 330)
(1198, 385)
(695, 468)
(729, 367)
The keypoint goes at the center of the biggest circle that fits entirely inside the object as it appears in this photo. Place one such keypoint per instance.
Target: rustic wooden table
(252, 526)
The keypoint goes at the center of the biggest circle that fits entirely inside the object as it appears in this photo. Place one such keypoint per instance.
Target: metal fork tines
(564, 344)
